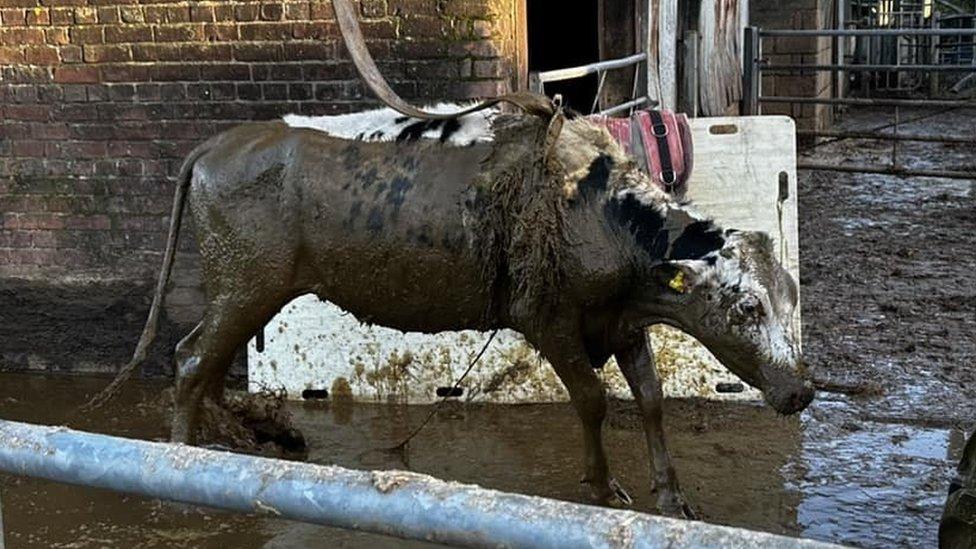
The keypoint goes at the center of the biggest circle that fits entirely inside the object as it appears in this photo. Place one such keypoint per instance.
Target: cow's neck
(663, 229)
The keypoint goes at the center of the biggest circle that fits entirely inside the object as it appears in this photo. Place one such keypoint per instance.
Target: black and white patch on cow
(388, 125)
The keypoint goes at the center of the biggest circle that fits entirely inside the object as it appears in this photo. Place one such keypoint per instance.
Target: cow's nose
(801, 398)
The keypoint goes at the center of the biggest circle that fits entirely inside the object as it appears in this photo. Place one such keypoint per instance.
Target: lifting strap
(352, 35)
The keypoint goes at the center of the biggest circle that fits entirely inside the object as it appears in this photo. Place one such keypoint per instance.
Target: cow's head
(739, 302)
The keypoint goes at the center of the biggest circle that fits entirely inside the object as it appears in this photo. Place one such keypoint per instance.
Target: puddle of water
(876, 485)
(873, 484)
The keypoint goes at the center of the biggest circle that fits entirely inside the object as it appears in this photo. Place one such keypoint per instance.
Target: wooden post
(667, 53)
(934, 76)
(650, 41)
(751, 76)
(689, 88)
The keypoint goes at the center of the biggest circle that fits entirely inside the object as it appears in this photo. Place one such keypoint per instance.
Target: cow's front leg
(575, 370)
(636, 361)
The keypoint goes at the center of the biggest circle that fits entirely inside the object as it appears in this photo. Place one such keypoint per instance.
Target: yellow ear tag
(678, 283)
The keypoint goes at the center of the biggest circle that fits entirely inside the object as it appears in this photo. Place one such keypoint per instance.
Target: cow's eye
(751, 306)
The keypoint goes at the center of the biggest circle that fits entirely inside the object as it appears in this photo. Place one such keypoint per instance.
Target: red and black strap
(660, 130)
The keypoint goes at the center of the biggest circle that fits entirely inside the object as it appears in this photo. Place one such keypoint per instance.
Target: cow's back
(385, 230)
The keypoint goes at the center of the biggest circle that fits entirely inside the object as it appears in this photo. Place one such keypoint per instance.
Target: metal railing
(538, 81)
(755, 66)
(395, 503)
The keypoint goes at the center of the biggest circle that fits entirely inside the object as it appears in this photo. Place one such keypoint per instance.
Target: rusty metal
(864, 102)
(885, 136)
(592, 68)
(885, 170)
(868, 68)
(395, 503)
(866, 32)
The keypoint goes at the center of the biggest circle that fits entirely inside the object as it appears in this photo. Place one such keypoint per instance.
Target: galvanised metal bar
(592, 68)
(867, 32)
(644, 100)
(866, 68)
(886, 136)
(395, 503)
(885, 170)
(864, 102)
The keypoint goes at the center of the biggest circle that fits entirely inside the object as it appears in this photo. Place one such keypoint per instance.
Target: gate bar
(864, 102)
(864, 68)
(867, 32)
(592, 68)
(396, 503)
(885, 170)
(886, 136)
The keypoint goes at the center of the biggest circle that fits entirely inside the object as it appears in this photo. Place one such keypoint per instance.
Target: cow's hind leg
(636, 362)
(204, 356)
(586, 392)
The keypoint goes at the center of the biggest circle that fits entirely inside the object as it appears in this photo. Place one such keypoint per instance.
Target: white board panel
(315, 345)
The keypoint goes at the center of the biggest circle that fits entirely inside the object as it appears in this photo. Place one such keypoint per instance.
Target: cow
(486, 221)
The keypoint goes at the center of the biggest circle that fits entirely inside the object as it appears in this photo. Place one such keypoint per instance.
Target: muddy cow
(468, 223)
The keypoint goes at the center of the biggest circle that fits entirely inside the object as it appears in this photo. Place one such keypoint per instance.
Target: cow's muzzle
(786, 392)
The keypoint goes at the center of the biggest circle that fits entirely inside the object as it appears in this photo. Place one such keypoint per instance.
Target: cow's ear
(676, 277)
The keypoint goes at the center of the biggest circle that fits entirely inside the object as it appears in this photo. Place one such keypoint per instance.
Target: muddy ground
(889, 299)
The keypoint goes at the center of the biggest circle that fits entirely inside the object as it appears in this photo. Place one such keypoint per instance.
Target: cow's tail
(149, 331)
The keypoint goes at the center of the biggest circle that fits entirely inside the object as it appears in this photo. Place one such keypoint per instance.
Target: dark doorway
(562, 34)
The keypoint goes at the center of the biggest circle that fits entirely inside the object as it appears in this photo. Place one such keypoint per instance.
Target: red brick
(421, 27)
(77, 75)
(57, 35)
(82, 149)
(49, 131)
(86, 35)
(297, 11)
(221, 32)
(86, 16)
(271, 11)
(64, 2)
(246, 12)
(201, 14)
(128, 34)
(12, 17)
(131, 14)
(309, 50)
(103, 54)
(205, 52)
(178, 14)
(223, 12)
(21, 36)
(62, 16)
(318, 30)
(26, 112)
(174, 73)
(71, 54)
(154, 14)
(39, 16)
(11, 55)
(266, 31)
(109, 15)
(258, 52)
(319, 10)
(23, 147)
(179, 33)
(90, 223)
(42, 55)
(373, 8)
(146, 52)
(33, 221)
(125, 73)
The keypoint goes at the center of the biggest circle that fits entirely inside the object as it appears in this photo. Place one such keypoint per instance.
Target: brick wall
(100, 99)
(796, 14)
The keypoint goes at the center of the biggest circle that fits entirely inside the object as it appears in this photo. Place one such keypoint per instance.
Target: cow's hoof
(673, 504)
(618, 491)
(607, 494)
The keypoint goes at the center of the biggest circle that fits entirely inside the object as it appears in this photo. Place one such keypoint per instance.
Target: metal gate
(933, 63)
